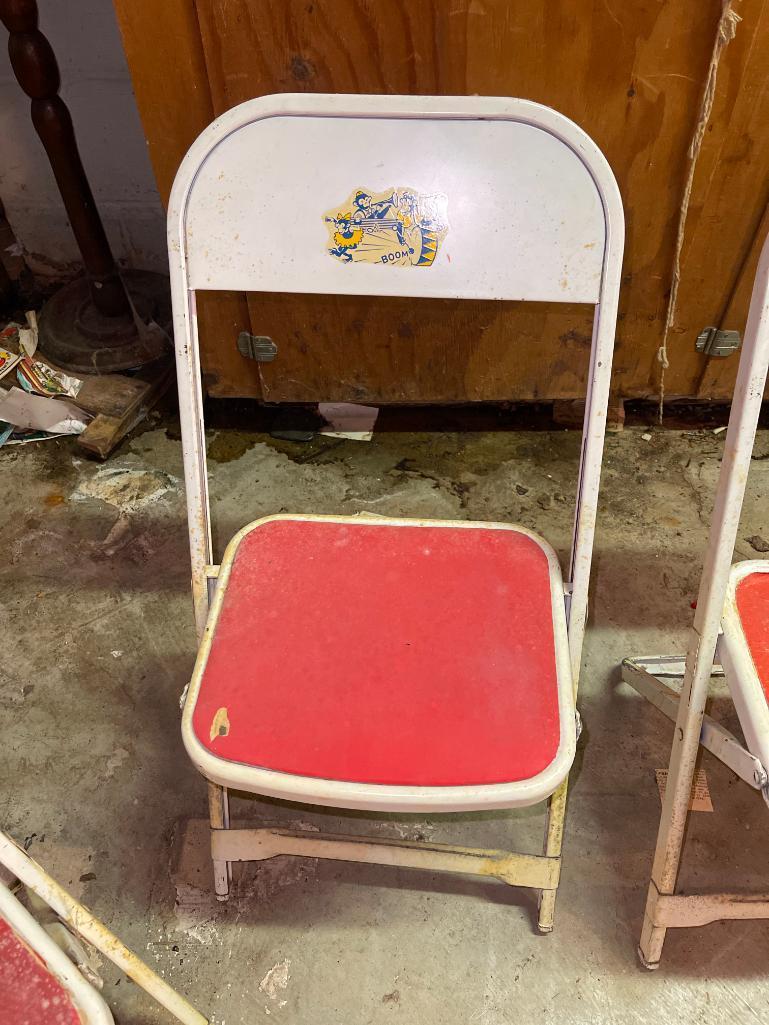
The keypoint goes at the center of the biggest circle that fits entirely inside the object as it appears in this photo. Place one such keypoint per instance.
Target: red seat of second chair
(402, 653)
(752, 595)
(744, 650)
(29, 992)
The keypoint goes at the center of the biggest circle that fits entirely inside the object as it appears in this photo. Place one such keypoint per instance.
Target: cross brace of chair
(531, 870)
(643, 674)
(678, 910)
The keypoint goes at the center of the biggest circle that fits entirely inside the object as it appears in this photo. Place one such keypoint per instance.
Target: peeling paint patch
(418, 830)
(276, 980)
(126, 488)
(196, 913)
(115, 761)
(220, 724)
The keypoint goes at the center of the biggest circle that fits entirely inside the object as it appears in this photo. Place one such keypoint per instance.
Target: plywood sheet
(630, 74)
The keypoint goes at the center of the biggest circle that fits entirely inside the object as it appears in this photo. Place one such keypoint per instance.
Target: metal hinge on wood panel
(712, 341)
(257, 347)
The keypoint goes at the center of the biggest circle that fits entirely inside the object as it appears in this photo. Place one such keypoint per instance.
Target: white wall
(97, 88)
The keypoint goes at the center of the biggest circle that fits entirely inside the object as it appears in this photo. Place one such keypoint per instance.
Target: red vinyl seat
(752, 594)
(383, 652)
(744, 651)
(29, 992)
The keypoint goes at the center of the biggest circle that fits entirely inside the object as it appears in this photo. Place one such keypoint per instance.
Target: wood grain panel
(168, 70)
(729, 225)
(630, 74)
(391, 350)
(719, 374)
(638, 103)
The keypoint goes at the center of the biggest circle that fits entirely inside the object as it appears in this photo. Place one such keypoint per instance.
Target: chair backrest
(450, 197)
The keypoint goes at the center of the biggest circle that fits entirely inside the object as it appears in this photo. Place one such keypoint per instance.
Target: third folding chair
(730, 637)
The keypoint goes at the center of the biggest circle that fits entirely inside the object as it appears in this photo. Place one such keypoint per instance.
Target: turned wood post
(34, 64)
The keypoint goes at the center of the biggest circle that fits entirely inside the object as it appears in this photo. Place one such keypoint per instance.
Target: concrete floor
(99, 644)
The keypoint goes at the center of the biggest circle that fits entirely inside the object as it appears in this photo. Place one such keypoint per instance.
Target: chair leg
(673, 819)
(683, 761)
(219, 814)
(652, 936)
(556, 813)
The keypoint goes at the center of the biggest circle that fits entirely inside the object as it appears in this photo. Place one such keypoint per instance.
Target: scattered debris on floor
(29, 413)
(38, 378)
(18, 342)
(13, 691)
(700, 799)
(417, 830)
(115, 760)
(198, 913)
(758, 543)
(8, 358)
(127, 488)
(348, 420)
(295, 423)
(35, 418)
(276, 981)
(326, 917)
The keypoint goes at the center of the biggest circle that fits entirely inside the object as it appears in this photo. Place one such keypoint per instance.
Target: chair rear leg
(219, 814)
(556, 812)
(652, 936)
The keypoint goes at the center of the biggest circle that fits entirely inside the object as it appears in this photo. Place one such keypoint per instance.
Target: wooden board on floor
(120, 403)
(110, 395)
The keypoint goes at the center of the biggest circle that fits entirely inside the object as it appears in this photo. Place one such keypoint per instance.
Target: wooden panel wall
(727, 228)
(630, 74)
(165, 53)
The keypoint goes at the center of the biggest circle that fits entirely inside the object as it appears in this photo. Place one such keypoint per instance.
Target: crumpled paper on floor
(35, 413)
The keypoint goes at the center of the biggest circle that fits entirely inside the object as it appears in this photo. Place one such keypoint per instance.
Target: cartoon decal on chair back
(400, 227)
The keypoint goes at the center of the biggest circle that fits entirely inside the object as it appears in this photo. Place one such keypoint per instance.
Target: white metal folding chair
(379, 663)
(38, 982)
(730, 636)
(45, 978)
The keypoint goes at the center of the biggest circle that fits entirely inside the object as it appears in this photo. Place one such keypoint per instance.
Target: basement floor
(99, 644)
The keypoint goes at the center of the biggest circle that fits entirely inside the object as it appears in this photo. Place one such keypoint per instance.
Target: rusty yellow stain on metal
(220, 724)
(521, 869)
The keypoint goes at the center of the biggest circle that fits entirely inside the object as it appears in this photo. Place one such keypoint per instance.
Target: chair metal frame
(87, 1001)
(708, 655)
(540, 872)
(52, 941)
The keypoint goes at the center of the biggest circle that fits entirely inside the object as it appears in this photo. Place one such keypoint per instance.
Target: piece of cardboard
(348, 420)
(700, 796)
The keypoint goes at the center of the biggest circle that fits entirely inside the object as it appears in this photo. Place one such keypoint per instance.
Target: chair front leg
(219, 814)
(556, 813)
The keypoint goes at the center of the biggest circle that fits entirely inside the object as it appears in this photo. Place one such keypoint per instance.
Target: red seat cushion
(752, 598)
(379, 653)
(28, 991)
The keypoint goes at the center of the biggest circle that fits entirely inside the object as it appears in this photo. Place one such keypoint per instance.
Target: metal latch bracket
(712, 341)
(257, 347)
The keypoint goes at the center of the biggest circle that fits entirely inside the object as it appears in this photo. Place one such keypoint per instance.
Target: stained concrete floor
(99, 644)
